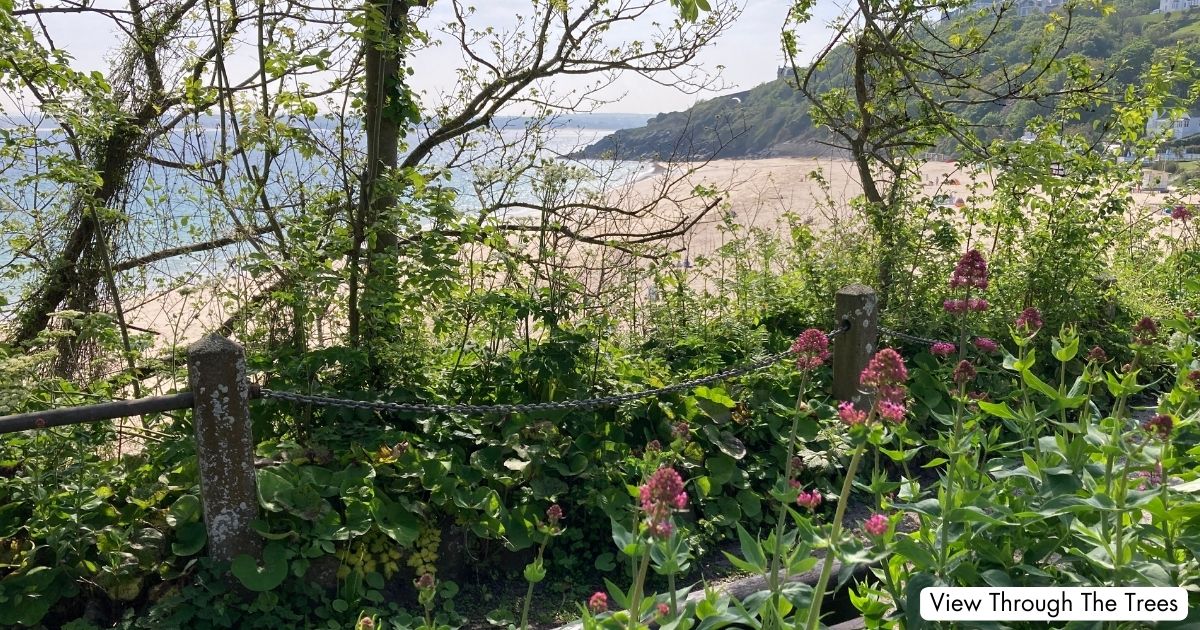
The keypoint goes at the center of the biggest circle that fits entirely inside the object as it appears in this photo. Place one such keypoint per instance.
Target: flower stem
(773, 580)
(635, 602)
(814, 609)
(529, 592)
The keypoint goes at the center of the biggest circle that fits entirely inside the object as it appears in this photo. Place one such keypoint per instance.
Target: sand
(758, 193)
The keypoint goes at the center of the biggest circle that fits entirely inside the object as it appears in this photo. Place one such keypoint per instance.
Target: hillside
(772, 119)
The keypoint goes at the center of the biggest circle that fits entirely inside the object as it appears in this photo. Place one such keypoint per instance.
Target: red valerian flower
(877, 525)
(1181, 213)
(1160, 425)
(885, 368)
(660, 495)
(554, 514)
(886, 373)
(955, 306)
(663, 610)
(850, 414)
(964, 372)
(1030, 320)
(942, 349)
(1144, 331)
(808, 499)
(971, 271)
(977, 304)
(598, 603)
(425, 582)
(1097, 354)
(892, 411)
(987, 345)
(811, 349)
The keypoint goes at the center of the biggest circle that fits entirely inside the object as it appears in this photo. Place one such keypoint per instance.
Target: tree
(908, 73)
(222, 104)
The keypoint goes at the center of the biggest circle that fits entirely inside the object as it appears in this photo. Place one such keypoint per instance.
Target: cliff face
(769, 120)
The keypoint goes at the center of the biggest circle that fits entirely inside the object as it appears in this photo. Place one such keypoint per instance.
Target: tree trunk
(383, 117)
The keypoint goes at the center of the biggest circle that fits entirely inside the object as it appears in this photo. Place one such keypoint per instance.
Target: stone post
(856, 304)
(224, 446)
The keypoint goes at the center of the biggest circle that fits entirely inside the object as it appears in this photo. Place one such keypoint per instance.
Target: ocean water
(166, 209)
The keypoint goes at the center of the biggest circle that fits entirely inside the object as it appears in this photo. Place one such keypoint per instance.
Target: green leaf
(395, 520)
(725, 442)
(923, 558)
(274, 492)
(1067, 352)
(189, 539)
(1000, 410)
(605, 562)
(752, 550)
(262, 578)
(186, 509)
(1033, 381)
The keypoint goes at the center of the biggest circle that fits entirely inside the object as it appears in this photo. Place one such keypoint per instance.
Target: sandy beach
(754, 193)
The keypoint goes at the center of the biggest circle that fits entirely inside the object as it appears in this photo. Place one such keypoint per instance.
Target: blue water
(165, 209)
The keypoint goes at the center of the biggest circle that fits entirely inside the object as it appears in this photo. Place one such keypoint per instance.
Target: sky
(749, 50)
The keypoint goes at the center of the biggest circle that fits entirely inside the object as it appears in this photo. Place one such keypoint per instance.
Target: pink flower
(971, 271)
(598, 603)
(811, 349)
(1159, 425)
(554, 514)
(425, 582)
(1030, 320)
(885, 368)
(808, 499)
(977, 304)
(663, 610)
(986, 345)
(1193, 378)
(955, 306)
(1181, 213)
(653, 446)
(681, 431)
(892, 411)
(1145, 331)
(660, 495)
(964, 372)
(1097, 354)
(877, 525)
(850, 414)
(942, 349)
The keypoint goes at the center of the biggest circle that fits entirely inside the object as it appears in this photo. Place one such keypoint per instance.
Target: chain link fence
(557, 405)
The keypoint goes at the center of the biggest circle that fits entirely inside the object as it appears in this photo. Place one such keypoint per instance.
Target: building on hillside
(1168, 6)
(1183, 127)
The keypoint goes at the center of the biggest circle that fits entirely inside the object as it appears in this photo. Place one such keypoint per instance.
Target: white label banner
(1053, 603)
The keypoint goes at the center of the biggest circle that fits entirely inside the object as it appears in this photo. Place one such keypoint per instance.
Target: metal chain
(895, 334)
(560, 405)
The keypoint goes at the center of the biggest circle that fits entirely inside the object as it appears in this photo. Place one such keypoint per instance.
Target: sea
(164, 209)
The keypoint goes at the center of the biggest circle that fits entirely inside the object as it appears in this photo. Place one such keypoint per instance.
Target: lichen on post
(224, 446)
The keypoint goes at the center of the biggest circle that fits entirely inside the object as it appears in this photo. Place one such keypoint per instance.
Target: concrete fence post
(224, 446)
(857, 305)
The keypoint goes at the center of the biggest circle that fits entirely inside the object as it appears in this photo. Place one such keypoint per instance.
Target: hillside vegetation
(772, 119)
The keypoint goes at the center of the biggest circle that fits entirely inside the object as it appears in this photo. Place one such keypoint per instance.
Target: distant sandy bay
(755, 193)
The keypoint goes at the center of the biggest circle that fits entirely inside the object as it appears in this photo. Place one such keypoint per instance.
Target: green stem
(671, 585)
(635, 602)
(948, 496)
(773, 580)
(814, 609)
(529, 592)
